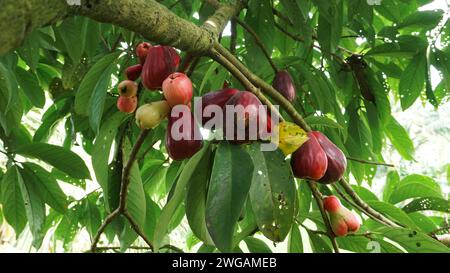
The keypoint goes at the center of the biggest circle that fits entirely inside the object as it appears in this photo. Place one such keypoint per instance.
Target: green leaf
(48, 186)
(73, 33)
(30, 86)
(151, 217)
(102, 148)
(12, 200)
(400, 139)
(322, 121)
(30, 50)
(34, 205)
(357, 244)
(177, 197)
(393, 212)
(422, 221)
(196, 198)
(90, 81)
(68, 227)
(412, 81)
(91, 215)
(413, 241)
(98, 97)
(295, 243)
(136, 203)
(272, 192)
(259, 18)
(318, 243)
(255, 245)
(428, 203)
(330, 24)
(392, 180)
(425, 20)
(415, 186)
(60, 158)
(305, 198)
(228, 189)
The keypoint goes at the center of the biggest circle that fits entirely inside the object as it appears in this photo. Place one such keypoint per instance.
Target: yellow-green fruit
(149, 115)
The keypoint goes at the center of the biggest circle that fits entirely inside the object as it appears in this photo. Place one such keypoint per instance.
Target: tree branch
(370, 162)
(123, 196)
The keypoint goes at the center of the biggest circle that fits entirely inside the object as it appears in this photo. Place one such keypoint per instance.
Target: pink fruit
(342, 220)
(177, 89)
(284, 84)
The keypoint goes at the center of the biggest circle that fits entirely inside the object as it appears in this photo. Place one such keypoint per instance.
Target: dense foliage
(350, 61)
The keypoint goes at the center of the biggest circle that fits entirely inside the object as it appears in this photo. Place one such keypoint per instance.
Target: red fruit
(133, 72)
(128, 88)
(160, 63)
(187, 145)
(310, 160)
(337, 162)
(177, 89)
(218, 98)
(142, 50)
(127, 104)
(251, 104)
(284, 84)
(342, 220)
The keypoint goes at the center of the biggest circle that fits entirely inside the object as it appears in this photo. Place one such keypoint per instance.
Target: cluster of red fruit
(157, 70)
(342, 220)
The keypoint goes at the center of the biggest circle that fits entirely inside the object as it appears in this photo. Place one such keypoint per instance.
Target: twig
(258, 42)
(137, 229)
(233, 37)
(123, 196)
(349, 190)
(370, 162)
(318, 196)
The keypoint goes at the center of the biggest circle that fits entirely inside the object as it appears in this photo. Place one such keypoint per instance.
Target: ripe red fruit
(177, 89)
(133, 72)
(310, 160)
(188, 145)
(142, 50)
(251, 105)
(127, 104)
(285, 85)
(218, 98)
(342, 220)
(160, 63)
(128, 88)
(337, 162)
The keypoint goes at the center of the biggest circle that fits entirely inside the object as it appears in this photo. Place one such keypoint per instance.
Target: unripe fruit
(337, 162)
(342, 220)
(133, 72)
(142, 50)
(128, 88)
(188, 146)
(309, 161)
(218, 98)
(285, 85)
(160, 63)
(177, 89)
(149, 115)
(127, 104)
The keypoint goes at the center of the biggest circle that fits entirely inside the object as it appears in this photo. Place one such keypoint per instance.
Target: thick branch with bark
(148, 18)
